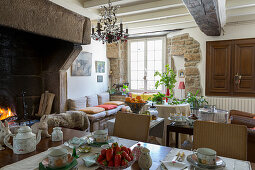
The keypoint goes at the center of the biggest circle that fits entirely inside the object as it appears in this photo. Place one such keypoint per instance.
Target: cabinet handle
(237, 79)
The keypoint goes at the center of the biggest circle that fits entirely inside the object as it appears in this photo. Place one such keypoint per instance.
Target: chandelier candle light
(106, 30)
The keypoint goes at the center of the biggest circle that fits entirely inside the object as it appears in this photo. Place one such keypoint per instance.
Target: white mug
(206, 156)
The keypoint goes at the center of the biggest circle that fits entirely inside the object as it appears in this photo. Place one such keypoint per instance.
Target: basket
(135, 107)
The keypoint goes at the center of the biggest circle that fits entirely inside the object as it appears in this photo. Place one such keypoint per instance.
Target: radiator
(231, 103)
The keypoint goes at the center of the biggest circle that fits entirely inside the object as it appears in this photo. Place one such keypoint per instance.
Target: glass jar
(57, 134)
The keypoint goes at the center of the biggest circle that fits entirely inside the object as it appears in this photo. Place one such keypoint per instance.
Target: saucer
(192, 159)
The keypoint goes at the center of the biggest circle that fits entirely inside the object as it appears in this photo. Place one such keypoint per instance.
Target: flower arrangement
(125, 89)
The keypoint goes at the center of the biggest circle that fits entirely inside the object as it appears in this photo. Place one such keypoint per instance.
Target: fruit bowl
(116, 168)
(135, 107)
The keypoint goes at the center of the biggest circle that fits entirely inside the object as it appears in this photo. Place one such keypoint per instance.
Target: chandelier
(106, 30)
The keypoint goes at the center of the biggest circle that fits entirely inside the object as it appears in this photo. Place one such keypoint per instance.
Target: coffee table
(8, 157)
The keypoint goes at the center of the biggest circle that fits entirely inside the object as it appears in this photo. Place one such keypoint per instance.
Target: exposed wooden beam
(206, 15)
(98, 3)
(149, 7)
(155, 15)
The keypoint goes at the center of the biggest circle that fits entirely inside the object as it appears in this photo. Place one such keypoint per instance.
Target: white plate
(169, 165)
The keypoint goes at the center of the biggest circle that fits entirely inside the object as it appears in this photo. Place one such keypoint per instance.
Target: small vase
(167, 94)
(145, 161)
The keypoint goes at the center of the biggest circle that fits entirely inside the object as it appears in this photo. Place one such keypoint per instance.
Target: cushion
(92, 100)
(103, 97)
(93, 110)
(107, 107)
(114, 103)
(77, 104)
(96, 116)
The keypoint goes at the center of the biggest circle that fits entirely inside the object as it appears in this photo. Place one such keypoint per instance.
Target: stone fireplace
(39, 40)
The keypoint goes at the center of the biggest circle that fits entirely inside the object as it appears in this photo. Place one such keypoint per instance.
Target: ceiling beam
(98, 3)
(206, 15)
(241, 11)
(149, 7)
(236, 4)
(154, 15)
(168, 21)
(162, 27)
(222, 12)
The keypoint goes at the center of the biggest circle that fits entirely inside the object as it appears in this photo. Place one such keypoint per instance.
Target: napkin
(89, 160)
(173, 166)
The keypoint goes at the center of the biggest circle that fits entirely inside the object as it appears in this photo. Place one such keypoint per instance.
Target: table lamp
(181, 86)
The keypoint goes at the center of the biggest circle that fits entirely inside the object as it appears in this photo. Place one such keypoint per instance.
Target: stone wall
(189, 48)
(118, 57)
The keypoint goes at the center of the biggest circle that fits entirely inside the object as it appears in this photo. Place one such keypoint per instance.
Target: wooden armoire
(230, 68)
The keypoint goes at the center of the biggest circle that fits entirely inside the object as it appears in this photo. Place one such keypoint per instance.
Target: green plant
(176, 101)
(195, 101)
(158, 98)
(168, 79)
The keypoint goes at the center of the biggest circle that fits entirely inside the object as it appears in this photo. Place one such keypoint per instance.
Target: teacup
(206, 156)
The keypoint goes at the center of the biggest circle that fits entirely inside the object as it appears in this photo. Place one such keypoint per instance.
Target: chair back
(132, 126)
(226, 139)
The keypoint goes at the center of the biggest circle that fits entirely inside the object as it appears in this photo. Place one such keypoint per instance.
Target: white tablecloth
(231, 164)
(164, 111)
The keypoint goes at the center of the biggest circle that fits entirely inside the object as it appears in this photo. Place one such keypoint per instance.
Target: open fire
(6, 113)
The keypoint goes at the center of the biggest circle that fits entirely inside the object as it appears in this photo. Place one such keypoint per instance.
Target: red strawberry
(117, 150)
(117, 160)
(100, 158)
(123, 148)
(124, 162)
(103, 162)
(126, 156)
(103, 152)
(131, 156)
(110, 163)
(129, 151)
(109, 154)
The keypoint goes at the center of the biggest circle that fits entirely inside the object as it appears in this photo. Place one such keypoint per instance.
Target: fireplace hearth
(39, 40)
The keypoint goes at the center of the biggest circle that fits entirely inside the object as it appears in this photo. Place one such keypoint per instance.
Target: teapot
(24, 141)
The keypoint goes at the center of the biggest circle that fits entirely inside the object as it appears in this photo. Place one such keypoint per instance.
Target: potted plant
(168, 79)
(158, 98)
(195, 101)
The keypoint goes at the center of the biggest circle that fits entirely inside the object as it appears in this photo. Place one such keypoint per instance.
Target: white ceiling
(156, 15)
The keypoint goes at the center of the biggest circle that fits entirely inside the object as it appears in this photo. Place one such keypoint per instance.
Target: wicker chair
(226, 139)
(132, 126)
(245, 118)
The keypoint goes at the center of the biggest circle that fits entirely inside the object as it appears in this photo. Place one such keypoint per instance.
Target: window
(146, 56)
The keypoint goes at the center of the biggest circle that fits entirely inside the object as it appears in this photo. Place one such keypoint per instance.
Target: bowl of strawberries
(115, 157)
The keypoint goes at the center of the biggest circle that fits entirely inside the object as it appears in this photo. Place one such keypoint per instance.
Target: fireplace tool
(25, 113)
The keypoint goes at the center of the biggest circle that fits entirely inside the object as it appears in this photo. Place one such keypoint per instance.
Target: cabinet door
(244, 66)
(218, 68)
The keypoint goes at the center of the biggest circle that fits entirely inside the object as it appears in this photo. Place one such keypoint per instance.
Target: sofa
(247, 119)
(98, 119)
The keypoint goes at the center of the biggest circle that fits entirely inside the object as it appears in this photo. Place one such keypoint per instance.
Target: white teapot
(24, 141)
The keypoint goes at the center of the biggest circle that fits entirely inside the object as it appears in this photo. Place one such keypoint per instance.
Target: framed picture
(82, 65)
(181, 73)
(100, 67)
(99, 79)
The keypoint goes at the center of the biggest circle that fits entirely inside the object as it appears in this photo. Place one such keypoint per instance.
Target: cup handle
(195, 152)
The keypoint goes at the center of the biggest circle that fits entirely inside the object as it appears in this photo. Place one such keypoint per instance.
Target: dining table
(158, 153)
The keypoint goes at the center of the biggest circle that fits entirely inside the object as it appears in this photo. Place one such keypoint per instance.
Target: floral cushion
(92, 110)
(107, 107)
(114, 103)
